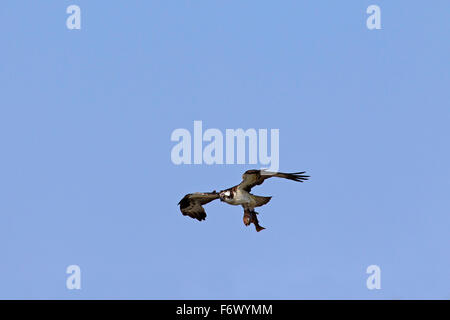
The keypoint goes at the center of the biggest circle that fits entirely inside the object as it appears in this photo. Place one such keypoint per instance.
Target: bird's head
(224, 195)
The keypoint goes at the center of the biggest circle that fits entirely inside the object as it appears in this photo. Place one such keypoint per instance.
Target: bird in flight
(192, 204)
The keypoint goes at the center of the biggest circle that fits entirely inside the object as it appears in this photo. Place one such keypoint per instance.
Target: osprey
(192, 204)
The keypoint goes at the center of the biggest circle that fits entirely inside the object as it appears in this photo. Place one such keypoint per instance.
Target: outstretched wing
(191, 204)
(253, 178)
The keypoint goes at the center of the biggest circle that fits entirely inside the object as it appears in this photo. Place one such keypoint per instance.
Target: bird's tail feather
(260, 201)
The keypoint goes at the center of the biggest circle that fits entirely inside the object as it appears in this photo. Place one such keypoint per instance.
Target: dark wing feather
(253, 178)
(191, 204)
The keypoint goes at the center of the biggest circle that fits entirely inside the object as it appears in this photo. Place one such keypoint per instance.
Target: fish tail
(256, 222)
(258, 228)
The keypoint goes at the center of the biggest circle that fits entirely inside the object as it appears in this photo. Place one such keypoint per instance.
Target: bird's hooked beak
(224, 195)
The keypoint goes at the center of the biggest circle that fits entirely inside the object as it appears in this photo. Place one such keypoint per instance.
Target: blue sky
(86, 176)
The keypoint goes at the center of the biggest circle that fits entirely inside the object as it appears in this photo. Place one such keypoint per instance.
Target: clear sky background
(86, 176)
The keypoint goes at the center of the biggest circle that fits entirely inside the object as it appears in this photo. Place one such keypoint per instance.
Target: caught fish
(250, 217)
